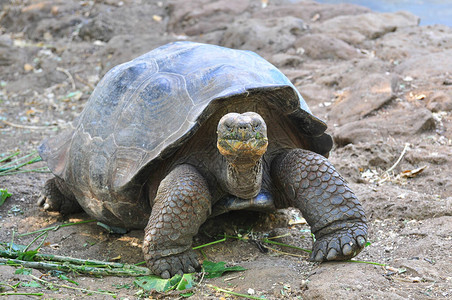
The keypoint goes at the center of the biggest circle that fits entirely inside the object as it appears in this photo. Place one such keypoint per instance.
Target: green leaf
(23, 271)
(28, 255)
(31, 284)
(3, 195)
(15, 247)
(217, 269)
(158, 284)
(186, 295)
(122, 286)
(186, 282)
(64, 277)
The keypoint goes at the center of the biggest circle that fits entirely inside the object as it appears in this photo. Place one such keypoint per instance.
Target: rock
(7, 55)
(419, 156)
(314, 93)
(321, 46)
(274, 34)
(96, 29)
(309, 11)
(394, 122)
(427, 68)
(202, 16)
(413, 41)
(285, 60)
(364, 97)
(356, 29)
(440, 101)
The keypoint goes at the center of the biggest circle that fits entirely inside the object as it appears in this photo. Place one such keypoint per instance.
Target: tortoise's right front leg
(182, 204)
(56, 196)
(311, 183)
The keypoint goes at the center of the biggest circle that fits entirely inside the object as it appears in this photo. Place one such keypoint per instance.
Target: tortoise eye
(256, 126)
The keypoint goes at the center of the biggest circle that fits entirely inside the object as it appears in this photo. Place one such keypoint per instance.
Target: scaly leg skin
(182, 204)
(310, 183)
(56, 197)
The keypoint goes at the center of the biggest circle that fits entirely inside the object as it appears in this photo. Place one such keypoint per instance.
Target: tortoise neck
(244, 180)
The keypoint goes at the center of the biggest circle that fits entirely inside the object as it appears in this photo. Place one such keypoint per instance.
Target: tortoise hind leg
(182, 204)
(56, 197)
(310, 183)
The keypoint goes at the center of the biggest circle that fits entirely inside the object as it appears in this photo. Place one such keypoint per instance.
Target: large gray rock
(428, 66)
(309, 11)
(357, 29)
(413, 41)
(362, 98)
(380, 127)
(203, 16)
(272, 35)
(321, 46)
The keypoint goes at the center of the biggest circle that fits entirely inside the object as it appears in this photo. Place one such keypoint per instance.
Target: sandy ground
(381, 82)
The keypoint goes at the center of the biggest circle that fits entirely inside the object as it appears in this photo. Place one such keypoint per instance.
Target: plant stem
(12, 242)
(366, 262)
(234, 293)
(71, 287)
(6, 167)
(56, 227)
(10, 156)
(208, 244)
(46, 233)
(38, 170)
(285, 253)
(21, 294)
(285, 245)
(126, 270)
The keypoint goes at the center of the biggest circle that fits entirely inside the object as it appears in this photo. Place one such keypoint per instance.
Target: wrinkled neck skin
(244, 180)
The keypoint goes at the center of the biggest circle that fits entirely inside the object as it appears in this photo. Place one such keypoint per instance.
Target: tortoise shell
(144, 110)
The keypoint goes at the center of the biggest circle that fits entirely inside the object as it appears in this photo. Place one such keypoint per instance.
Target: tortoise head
(242, 138)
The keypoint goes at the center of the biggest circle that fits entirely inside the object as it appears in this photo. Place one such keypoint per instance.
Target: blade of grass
(56, 227)
(72, 288)
(12, 242)
(20, 159)
(285, 245)
(8, 171)
(46, 233)
(21, 294)
(234, 293)
(366, 262)
(209, 244)
(9, 156)
(38, 170)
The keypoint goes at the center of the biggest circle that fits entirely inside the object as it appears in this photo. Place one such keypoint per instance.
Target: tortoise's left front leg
(309, 182)
(182, 204)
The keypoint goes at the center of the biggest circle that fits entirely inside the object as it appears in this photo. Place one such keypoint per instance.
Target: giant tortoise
(191, 130)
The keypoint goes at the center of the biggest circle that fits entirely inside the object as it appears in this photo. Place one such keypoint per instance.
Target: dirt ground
(381, 82)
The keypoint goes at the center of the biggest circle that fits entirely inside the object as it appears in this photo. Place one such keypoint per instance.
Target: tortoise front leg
(182, 204)
(310, 182)
(56, 196)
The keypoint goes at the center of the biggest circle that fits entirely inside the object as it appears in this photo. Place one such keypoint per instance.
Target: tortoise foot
(166, 267)
(340, 245)
(53, 199)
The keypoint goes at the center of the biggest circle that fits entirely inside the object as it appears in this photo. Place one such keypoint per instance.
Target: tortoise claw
(340, 245)
(166, 267)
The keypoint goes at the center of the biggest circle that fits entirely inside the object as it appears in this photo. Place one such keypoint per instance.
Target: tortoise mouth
(250, 148)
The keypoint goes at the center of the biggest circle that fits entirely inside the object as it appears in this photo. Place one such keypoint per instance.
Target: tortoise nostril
(243, 126)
